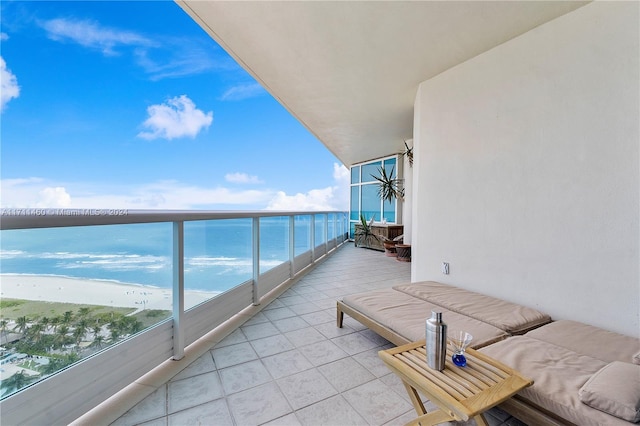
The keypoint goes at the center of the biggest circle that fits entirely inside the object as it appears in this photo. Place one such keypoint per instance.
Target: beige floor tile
(345, 374)
(279, 313)
(375, 403)
(319, 317)
(290, 324)
(152, 407)
(271, 345)
(193, 391)
(260, 330)
(305, 388)
(305, 336)
(334, 411)
(354, 343)
(258, 405)
(233, 354)
(204, 364)
(286, 363)
(211, 413)
(243, 376)
(323, 352)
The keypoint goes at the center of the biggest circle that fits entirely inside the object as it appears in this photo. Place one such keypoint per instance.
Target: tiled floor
(291, 365)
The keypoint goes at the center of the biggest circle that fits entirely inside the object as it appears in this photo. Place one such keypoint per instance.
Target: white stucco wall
(526, 173)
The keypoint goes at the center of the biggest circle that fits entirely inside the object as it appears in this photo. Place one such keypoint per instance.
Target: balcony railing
(279, 246)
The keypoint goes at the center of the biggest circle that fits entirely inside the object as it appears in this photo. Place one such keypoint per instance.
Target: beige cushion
(589, 340)
(615, 389)
(558, 375)
(507, 316)
(407, 315)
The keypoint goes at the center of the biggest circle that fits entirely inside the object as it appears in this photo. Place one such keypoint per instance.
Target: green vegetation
(14, 308)
(64, 333)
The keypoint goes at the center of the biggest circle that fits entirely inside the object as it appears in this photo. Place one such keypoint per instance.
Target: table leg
(431, 419)
(415, 399)
(480, 420)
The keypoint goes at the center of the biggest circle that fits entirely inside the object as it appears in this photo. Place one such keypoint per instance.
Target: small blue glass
(459, 359)
(459, 340)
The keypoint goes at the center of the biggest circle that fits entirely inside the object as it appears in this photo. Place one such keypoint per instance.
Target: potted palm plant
(364, 235)
(390, 187)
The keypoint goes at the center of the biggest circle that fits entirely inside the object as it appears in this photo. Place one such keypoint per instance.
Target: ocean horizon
(218, 253)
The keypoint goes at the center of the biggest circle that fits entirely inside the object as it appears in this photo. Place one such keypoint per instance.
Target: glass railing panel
(320, 229)
(332, 225)
(70, 292)
(302, 234)
(274, 242)
(217, 257)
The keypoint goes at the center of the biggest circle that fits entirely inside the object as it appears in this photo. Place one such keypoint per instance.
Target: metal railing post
(312, 238)
(326, 232)
(255, 239)
(178, 290)
(292, 242)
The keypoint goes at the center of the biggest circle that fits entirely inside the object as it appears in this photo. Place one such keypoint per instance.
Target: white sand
(94, 292)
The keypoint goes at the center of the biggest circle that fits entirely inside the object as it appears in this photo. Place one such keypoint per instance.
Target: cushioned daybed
(583, 375)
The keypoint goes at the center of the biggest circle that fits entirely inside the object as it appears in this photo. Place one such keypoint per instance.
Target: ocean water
(218, 253)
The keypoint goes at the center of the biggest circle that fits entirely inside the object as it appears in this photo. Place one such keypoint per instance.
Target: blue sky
(132, 105)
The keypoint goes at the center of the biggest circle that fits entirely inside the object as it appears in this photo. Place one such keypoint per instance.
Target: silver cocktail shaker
(436, 341)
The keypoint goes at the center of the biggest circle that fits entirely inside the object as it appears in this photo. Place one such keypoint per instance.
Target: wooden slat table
(460, 393)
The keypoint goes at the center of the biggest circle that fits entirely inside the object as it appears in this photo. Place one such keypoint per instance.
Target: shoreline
(58, 288)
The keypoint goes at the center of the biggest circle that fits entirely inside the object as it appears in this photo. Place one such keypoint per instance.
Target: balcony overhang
(349, 71)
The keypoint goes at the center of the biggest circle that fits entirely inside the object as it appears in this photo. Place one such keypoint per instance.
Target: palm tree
(45, 322)
(84, 312)
(83, 325)
(35, 332)
(97, 329)
(3, 326)
(17, 381)
(22, 323)
(55, 322)
(58, 363)
(97, 342)
(78, 334)
(61, 337)
(67, 318)
(115, 334)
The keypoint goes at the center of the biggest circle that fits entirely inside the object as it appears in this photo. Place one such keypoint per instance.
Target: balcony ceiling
(349, 70)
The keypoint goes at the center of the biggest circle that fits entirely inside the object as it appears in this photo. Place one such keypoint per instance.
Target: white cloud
(241, 178)
(168, 195)
(9, 88)
(4, 36)
(92, 35)
(159, 56)
(179, 58)
(241, 92)
(176, 118)
(335, 197)
(54, 197)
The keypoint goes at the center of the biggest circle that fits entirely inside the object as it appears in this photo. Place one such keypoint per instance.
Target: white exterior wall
(526, 173)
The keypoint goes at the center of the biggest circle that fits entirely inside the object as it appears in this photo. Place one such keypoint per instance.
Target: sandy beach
(48, 288)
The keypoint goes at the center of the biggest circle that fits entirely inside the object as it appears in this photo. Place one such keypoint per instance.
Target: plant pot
(389, 248)
(403, 252)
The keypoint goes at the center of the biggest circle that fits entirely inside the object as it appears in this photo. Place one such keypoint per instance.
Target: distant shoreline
(56, 288)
